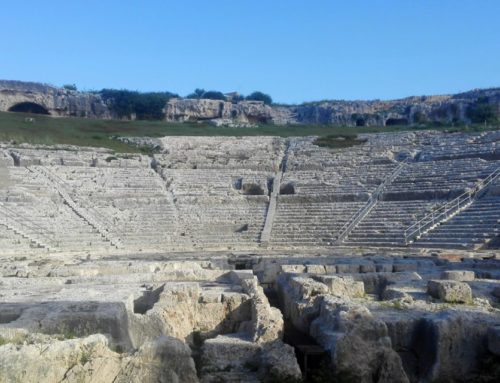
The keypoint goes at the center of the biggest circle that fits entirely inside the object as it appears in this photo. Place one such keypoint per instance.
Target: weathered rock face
(90, 360)
(411, 110)
(183, 110)
(40, 98)
(45, 99)
(394, 332)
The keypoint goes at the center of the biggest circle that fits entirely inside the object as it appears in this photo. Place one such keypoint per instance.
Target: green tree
(70, 87)
(214, 95)
(198, 93)
(259, 96)
(482, 111)
(146, 106)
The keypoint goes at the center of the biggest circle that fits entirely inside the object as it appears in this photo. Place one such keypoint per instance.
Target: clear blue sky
(294, 50)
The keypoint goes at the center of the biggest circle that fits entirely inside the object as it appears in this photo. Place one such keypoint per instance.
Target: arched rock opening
(28, 107)
(288, 188)
(360, 122)
(252, 189)
(396, 121)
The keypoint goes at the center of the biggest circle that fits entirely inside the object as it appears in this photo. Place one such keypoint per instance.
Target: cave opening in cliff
(360, 122)
(28, 107)
(396, 121)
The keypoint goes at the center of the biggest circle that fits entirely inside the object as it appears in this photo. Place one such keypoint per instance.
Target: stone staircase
(386, 223)
(30, 231)
(447, 211)
(91, 219)
(471, 228)
(365, 210)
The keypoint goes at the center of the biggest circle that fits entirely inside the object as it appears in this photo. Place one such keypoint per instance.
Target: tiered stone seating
(131, 203)
(40, 214)
(458, 145)
(75, 156)
(385, 224)
(474, 226)
(12, 243)
(213, 182)
(215, 193)
(440, 177)
(221, 152)
(223, 223)
(309, 223)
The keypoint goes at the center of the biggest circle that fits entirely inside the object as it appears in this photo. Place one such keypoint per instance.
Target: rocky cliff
(39, 98)
(412, 110)
(18, 96)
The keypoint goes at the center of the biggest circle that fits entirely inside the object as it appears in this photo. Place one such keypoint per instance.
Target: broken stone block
(315, 269)
(210, 297)
(367, 268)
(229, 351)
(279, 359)
(450, 257)
(347, 268)
(331, 269)
(236, 276)
(458, 275)
(391, 293)
(405, 266)
(307, 287)
(384, 268)
(343, 286)
(293, 268)
(494, 340)
(450, 291)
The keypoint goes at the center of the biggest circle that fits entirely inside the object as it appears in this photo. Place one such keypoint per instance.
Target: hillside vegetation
(37, 129)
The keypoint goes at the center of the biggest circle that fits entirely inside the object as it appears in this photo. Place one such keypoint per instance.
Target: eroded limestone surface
(118, 320)
(395, 319)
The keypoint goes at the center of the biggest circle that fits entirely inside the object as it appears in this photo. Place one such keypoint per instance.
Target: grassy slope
(97, 133)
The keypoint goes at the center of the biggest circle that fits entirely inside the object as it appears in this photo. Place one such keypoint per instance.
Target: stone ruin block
(315, 269)
(307, 287)
(229, 351)
(348, 268)
(298, 269)
(367, 268)
(331, 269)
(458, 275)
(393, 292)
(450, 291)
(342, 286)
(405, 266)
(384, 268)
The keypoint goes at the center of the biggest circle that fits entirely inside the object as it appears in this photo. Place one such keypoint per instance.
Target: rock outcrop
(45, 99)
(412, 110)
(446, 109)
(182, 110)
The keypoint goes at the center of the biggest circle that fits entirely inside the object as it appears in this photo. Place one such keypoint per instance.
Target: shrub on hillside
(259, 96)
(214, 95)
(146, 106)
(482, 111)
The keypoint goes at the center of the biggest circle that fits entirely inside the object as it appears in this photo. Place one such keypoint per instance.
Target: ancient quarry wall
(394, 319)
(411, 110)
(45, 99)
(133, 321)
